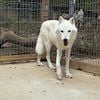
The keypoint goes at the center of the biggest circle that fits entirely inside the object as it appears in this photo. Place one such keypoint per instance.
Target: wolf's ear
(60, 19)
(72, 20)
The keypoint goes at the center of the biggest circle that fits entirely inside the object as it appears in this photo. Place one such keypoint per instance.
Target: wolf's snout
(65, 41)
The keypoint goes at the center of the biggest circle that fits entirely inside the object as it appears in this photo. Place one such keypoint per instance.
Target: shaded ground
(27, 81)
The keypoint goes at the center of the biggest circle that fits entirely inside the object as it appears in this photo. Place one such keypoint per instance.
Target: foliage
(86, 4)
(2, 3)
(59, 2)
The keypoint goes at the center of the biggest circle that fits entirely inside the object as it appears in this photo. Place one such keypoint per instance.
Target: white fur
(51, 34)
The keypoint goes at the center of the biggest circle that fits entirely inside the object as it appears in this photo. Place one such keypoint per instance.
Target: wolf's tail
(39, 46)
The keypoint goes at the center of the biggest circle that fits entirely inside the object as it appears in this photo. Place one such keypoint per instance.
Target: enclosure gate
(20, 21)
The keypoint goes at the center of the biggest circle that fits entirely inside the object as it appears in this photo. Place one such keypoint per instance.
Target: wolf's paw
(68, 75)
(59, 74)
(51, 67)
(39, 63)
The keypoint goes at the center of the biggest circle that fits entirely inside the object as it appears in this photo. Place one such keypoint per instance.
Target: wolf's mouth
(65, 41)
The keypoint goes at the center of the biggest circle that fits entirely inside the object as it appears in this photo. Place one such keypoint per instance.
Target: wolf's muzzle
(65, 41)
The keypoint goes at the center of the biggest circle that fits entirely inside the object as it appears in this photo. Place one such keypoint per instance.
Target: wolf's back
(48, 26)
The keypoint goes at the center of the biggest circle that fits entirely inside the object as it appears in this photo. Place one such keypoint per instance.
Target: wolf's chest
(58, 43)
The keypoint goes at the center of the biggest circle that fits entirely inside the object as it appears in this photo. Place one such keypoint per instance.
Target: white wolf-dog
(60, 33)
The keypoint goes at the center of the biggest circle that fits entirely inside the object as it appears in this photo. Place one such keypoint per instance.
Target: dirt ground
(27, 81)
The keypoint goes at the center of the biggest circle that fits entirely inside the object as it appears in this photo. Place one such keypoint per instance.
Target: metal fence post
(71, 7)
(18, 14)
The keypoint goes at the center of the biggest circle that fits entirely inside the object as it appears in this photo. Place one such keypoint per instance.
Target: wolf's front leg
(67, 57)
(58, 66)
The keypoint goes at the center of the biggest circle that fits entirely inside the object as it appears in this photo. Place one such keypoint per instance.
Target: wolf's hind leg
(48, 48)
(39, 50)
(39, 63)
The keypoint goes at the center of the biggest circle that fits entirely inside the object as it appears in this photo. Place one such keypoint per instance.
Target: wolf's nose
(65, 42)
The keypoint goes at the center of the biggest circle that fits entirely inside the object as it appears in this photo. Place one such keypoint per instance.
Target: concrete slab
(27, 81)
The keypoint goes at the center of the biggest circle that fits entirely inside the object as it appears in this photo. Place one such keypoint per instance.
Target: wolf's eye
(69, 30)
(62, 31)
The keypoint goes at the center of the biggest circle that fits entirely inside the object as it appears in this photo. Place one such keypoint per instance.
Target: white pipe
(74, 1)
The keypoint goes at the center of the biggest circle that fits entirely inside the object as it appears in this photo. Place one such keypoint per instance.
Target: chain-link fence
(86, 48)
(20, 21)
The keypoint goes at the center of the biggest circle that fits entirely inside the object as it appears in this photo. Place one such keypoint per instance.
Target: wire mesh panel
(87, 45)
(20, 21)
(86, 48)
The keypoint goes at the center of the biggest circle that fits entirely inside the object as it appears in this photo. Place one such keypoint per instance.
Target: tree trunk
(10, 36)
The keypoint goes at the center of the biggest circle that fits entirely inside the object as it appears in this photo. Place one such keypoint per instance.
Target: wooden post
(44, 10)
